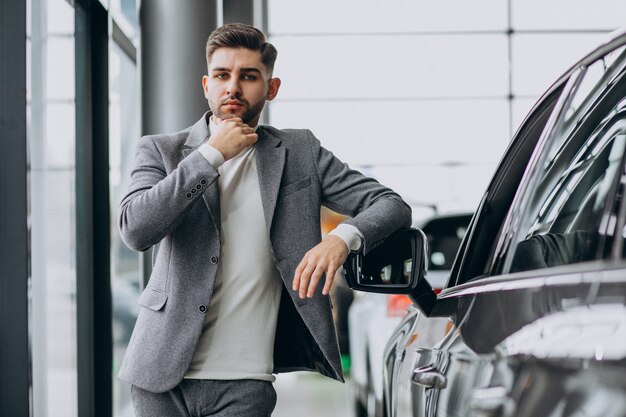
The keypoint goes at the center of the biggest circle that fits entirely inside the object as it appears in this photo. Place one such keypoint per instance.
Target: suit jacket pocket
(292, 187)
(152, 299)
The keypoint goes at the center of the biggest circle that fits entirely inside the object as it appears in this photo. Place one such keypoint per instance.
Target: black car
(532, 321)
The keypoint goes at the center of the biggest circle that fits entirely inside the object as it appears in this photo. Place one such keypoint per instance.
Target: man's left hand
(326, 257)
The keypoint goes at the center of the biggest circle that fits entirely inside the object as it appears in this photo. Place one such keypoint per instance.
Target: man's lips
(232, 103)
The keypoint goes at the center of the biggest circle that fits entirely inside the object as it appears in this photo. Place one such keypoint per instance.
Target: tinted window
(569, 212)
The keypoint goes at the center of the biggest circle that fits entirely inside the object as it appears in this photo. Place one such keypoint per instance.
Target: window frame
(93, 270)
(15, 377)
(477, 247)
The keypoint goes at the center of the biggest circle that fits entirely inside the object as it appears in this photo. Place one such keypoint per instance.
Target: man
(233, 212)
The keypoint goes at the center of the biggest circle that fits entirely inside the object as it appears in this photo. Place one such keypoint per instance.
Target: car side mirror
(396, 266)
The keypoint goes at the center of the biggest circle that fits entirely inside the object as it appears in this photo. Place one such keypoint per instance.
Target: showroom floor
(311, 395)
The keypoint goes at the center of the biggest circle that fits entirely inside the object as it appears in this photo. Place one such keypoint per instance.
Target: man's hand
(231, 136)
(326, 257)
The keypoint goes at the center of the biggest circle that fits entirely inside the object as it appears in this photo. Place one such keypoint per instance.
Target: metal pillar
(252, 12)
(173, 35)
(239, 11)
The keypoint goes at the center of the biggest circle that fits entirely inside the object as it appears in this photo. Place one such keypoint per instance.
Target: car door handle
(429, 377)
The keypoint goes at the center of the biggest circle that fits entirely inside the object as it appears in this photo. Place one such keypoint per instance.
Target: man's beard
(248, 115)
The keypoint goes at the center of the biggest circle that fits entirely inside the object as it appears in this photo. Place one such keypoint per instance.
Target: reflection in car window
(596, 77)
(444, 236)
(567, 219)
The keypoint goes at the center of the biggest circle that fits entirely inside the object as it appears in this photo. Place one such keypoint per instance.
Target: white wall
(425, 95)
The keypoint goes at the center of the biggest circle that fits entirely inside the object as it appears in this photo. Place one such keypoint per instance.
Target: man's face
(238, 84)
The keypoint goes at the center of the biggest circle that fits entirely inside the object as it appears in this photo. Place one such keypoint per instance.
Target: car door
(545, 223)
(403, 396)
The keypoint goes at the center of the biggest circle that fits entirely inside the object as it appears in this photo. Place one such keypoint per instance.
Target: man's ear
(205, 86)
(273, 87)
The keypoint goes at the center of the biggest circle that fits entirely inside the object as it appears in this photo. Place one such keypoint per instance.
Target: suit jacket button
(198, 187)
(189, 195)
(213, 260)
(203, 181)
(193, 191)
(202, 309)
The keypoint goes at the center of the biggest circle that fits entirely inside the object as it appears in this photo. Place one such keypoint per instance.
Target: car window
(480, 242)
(568, 212)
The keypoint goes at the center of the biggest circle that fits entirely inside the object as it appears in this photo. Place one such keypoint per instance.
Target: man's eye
(249, 77)
(221, 76)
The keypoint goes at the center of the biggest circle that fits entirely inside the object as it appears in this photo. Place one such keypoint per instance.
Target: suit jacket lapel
(197, 136)
(270, 161)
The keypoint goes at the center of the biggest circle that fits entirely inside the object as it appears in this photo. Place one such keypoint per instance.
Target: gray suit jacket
(173, 205)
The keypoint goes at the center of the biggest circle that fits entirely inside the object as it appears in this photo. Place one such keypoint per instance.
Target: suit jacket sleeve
(375, 210)
(157, 200)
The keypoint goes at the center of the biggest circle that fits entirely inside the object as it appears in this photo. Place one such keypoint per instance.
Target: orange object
(397, 304)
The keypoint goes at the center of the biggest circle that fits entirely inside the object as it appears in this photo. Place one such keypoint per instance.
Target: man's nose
(233, 88)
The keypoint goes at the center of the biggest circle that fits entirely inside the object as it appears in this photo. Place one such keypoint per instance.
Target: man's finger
(330, 277)
(315, 279)
(298, 273)
(305, 278)
(252, 138)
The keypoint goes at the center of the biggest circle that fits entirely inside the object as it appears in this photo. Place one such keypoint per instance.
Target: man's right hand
(232, 136)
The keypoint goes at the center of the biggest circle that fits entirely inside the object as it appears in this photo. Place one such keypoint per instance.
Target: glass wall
(125, 264)
(51, 145)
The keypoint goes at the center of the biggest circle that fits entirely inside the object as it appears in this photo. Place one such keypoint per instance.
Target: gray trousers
(203, 398)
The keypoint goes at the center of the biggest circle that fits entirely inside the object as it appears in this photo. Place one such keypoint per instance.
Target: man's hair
(240, 35)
